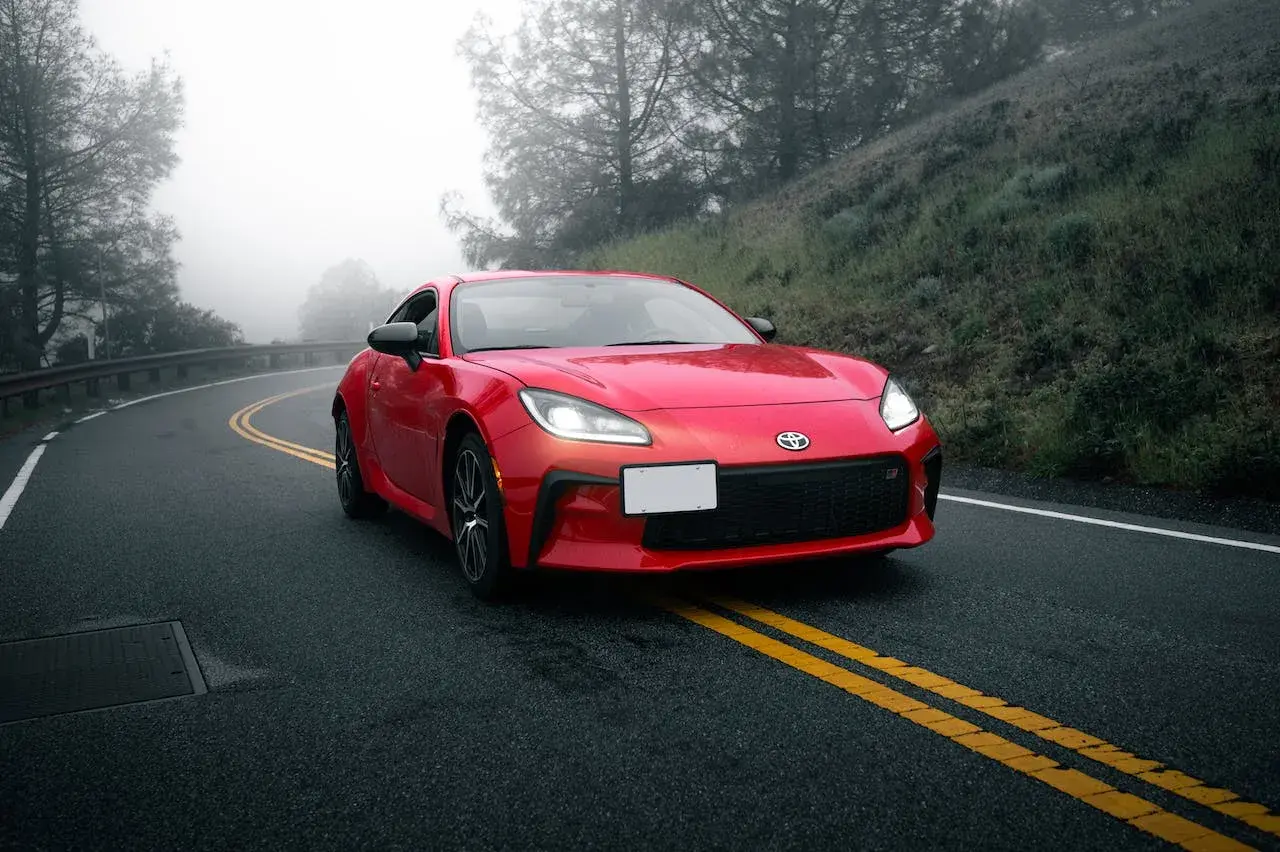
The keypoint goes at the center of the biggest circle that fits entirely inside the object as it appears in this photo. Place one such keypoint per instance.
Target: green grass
(1075, 279)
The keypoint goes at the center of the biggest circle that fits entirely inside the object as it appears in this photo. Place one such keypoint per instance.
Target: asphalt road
(360, 698)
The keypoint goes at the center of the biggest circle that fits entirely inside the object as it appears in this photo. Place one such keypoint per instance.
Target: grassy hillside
(1077, 272)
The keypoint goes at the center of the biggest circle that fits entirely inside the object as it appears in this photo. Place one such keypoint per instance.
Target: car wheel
(479, 532)
(356, 501)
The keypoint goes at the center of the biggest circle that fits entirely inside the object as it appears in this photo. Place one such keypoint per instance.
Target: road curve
(1021, 681)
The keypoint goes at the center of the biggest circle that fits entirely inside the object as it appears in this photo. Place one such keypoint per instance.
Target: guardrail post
(31, 385)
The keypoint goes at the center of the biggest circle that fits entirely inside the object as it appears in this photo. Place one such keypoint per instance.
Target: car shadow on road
(612, 594)
(804, 583)
(845, 579)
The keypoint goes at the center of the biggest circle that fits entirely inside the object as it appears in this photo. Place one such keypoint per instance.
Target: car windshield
(563, 311)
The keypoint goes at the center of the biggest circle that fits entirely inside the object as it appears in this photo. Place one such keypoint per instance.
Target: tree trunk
(28, 247)
(625, 167)
(59, 282)
(28, 336)
(821, 135)
(788, 132)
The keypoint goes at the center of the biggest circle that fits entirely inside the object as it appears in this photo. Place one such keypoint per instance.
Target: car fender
(352, 395)
(487, 400)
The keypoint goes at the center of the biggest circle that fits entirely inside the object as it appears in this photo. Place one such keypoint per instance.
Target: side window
(428, 339)
(398, 316)
(422, 311)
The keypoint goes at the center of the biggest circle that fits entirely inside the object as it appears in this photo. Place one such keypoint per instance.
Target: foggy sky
(314, 131)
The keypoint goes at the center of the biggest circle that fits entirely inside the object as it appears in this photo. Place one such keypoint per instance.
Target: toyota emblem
(794, 441)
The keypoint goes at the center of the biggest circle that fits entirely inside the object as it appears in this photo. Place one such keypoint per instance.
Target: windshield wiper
(502, 348)
(652, 343)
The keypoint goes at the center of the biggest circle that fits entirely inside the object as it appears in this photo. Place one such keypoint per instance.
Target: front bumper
(562, 499)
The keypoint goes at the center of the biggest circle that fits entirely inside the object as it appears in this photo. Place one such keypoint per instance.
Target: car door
(403, 414)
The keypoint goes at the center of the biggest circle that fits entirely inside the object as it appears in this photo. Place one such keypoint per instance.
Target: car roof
(500, 274)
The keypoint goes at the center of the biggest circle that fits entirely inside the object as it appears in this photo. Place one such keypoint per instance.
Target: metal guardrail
(29, 384)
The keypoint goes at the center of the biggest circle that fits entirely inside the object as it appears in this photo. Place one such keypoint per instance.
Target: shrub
(926, 291)
(851, 228)
(1027, 190)
(1071, 238)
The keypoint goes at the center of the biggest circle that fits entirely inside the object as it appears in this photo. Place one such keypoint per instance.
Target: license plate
(664, 488)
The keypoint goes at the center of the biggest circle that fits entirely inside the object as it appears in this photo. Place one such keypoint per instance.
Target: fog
(314, 131)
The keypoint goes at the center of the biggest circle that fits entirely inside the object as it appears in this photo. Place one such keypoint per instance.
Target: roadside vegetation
(83, 145)
(1076, 270)
(1057, 220)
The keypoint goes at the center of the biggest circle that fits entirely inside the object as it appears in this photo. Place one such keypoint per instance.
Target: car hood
(643, 378)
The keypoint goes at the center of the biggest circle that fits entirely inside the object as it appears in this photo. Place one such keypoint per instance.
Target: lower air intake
(784, 504)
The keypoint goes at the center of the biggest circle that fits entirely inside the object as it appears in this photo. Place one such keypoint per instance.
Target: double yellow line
(240, 424)
(1134, 810)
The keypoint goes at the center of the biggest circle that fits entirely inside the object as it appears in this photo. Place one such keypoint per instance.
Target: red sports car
(623, 422)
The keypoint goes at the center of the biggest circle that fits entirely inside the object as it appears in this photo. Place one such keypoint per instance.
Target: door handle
(377, 385)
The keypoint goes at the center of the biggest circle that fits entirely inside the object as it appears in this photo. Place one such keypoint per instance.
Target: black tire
(355, 500)
(475, 513)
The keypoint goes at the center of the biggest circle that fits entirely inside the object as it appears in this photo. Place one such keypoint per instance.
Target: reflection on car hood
(640, 378)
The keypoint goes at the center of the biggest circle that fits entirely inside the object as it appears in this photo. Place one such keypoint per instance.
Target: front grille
(782, 504)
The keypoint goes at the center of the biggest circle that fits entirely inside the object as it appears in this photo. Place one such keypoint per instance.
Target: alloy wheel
(470, 518)
(345, 452)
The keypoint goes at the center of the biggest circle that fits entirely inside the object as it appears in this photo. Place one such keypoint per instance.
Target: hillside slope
(1077, 271)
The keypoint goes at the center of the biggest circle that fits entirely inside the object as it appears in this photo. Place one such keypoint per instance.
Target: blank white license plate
(657, 489)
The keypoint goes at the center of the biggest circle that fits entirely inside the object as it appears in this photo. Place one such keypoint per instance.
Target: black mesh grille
(791, 503)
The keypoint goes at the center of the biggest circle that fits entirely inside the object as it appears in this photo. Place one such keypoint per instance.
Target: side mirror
(763, 327)
(399, 339)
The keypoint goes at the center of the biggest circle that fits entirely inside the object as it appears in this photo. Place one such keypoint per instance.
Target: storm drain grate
(96, 669)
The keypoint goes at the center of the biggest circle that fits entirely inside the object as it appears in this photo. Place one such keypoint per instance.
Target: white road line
(118, 406)
(10, 498)
(223, 382)
(1083, 519)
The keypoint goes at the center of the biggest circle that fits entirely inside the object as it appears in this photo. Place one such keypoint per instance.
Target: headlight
(578, 420)
(896, 408)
